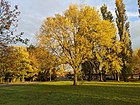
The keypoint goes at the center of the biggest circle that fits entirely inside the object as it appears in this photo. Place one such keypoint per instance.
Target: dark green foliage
(87, 70)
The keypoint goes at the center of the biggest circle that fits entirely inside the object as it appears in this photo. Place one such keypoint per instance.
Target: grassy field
(63, 93)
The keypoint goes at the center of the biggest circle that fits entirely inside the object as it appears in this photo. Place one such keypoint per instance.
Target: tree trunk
(101, 76)
(22, 78)
(1, 80)
(113, 76)
(124, 75)
(139, 76)
(50, 75)
(89, 75)
(75, 78)
(104, 77)
(132, 76)
(118, 76)
(13, 79)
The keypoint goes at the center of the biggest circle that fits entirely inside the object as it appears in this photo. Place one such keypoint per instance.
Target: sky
(34, 12)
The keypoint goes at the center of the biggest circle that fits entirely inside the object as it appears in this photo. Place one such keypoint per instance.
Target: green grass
(63, 93)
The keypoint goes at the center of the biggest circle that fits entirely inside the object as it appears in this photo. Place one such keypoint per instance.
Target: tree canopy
(73, 36)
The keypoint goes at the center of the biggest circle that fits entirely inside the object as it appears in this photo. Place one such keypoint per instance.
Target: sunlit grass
(94, 83)
(63, 93)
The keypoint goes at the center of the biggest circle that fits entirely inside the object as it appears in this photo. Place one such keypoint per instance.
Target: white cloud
(135, 29)
(136, 43)
(132, 14)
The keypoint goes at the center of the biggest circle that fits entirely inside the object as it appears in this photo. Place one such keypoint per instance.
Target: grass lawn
(63, 93)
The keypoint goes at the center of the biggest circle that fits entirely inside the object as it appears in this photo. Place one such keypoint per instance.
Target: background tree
(124, 35)
(8, 24)
(23, 64)
(105, 60)
(3, 54)
(15, 65)
(43, 61)
(136, 62)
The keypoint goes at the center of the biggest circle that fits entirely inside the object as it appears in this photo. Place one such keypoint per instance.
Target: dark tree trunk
(50, 75)
(89, 75)
(75, 79)
(101, 77)
(139, 76)
(104, 77)
(124, 75)
(132, 76)
(114, 76)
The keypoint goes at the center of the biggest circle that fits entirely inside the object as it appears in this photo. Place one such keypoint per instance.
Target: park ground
(63, 93)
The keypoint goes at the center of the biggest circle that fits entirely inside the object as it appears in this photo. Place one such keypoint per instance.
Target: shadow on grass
(58, 93)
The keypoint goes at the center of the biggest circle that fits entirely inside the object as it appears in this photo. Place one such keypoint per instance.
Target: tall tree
(90, 67)
(124, 35)
(114, 62)
(72, 37)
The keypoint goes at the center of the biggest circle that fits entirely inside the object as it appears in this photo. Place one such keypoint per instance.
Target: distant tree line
(26, 64)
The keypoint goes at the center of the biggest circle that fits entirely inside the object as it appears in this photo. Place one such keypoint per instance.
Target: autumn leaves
(80, 34)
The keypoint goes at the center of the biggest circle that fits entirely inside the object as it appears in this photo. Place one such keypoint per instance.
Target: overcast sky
(33, 12)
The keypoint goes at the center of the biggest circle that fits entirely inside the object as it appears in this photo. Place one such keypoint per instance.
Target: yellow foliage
(74, 36)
